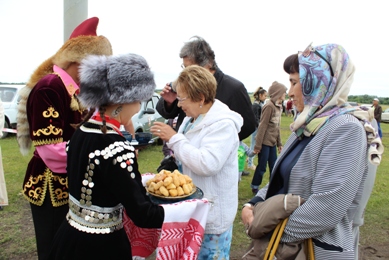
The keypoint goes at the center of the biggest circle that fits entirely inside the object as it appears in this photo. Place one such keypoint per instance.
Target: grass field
(17, 239)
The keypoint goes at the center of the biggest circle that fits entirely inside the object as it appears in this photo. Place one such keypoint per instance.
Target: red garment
(50, 117)
(289, 105)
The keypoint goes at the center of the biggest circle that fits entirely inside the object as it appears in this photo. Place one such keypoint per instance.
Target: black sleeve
(167, 113)
(255, 111)
(127, 185)
(255, 200)
(240, 103)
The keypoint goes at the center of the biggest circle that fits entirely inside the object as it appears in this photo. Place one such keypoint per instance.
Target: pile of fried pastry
(170, 184)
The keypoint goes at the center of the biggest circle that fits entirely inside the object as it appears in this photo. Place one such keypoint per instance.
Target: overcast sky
(251, 39)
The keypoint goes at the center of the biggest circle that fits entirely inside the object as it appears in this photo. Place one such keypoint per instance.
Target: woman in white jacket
(206, 146)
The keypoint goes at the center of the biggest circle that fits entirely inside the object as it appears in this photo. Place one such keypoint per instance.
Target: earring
(116, 112)
(201, 105)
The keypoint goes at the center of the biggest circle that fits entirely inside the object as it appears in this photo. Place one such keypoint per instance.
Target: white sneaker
(252, 167)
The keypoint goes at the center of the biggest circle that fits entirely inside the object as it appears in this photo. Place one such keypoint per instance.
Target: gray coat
(329, 174)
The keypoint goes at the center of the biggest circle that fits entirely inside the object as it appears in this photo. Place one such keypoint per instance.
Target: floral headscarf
(326, 75)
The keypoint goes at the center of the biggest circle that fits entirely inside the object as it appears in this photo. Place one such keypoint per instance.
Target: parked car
(146, 116)
(10, 98)
(366, 105)
(354, 104)
(385, 116)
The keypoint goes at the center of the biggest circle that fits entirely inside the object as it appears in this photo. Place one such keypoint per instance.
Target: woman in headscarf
(325, 160)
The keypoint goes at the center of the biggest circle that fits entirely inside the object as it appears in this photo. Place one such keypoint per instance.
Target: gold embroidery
(61, 194)
(50, 112)
(62, 181)
(58, 197)
(33, 196)
(47, 141)
(48, 131)
(36, 195)
(33, 180)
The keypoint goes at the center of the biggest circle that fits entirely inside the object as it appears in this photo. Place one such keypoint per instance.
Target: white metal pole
(74, 12)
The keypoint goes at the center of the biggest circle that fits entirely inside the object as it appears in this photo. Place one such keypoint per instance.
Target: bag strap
(309, 245)
(275, 241)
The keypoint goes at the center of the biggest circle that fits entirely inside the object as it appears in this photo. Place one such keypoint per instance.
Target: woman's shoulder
(345, 121)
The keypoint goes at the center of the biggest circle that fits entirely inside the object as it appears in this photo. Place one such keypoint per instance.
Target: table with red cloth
(181, 234)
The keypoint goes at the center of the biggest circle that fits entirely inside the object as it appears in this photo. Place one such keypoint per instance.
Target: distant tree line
(367, 99)
(4, 83)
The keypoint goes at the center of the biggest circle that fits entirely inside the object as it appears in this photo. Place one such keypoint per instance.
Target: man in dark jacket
(377, 114)
(229, 90)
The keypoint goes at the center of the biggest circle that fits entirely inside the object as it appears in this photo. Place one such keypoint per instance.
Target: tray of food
(172, 186)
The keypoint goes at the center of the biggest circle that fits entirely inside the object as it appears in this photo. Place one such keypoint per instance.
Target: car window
(155, 100)
(7, 94)
(386, 110)
(150, 104)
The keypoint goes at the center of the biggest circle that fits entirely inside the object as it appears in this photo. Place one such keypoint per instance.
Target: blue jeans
(268, 155)
(252, 144)
(379, 129)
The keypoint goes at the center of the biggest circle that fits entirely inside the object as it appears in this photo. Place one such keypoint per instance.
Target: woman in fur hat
(103, 171)
(46, 111)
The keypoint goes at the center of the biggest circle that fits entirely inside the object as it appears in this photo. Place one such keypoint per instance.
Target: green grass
(17, 239)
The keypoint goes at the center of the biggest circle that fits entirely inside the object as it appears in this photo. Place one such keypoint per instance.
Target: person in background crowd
(48, 107)
(325, 160)
(377, 114)
(289, 106)
(260, 96)
(268, 134)
(102, 167)
(206, 146)
(230, 91)
(3, 190)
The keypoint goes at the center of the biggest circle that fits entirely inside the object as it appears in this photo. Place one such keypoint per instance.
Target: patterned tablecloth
(181, 234)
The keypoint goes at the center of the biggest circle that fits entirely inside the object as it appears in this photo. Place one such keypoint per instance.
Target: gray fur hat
(120, 79)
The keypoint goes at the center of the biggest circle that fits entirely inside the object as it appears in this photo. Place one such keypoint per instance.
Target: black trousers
(47, 219)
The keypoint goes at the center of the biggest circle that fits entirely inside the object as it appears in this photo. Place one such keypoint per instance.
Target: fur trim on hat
(118, 79)
(73, 50)
(76, 49)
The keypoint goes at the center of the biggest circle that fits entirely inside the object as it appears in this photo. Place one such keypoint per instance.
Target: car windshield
(7, 94)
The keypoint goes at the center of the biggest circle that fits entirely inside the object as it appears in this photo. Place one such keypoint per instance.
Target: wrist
(248, 205)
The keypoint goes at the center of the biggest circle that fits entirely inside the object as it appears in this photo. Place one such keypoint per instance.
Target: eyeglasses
(182, 66)
(310, 49)
(181, 100)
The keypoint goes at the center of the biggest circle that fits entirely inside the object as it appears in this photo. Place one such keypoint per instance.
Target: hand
(257, 151)
(279, 149)
(168, 94)
(247, 216)
(162, 130)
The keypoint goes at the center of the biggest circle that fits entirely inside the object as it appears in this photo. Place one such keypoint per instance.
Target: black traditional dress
(103, 181)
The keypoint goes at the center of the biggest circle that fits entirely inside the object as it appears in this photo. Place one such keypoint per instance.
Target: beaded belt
(94, 219)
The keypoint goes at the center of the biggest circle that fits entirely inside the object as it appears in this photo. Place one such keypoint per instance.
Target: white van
(10, 98)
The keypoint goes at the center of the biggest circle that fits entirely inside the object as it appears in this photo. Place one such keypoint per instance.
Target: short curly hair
(198, 82)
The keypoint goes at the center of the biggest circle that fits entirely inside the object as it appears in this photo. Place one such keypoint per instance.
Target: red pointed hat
(83, 41)
(86, 28)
